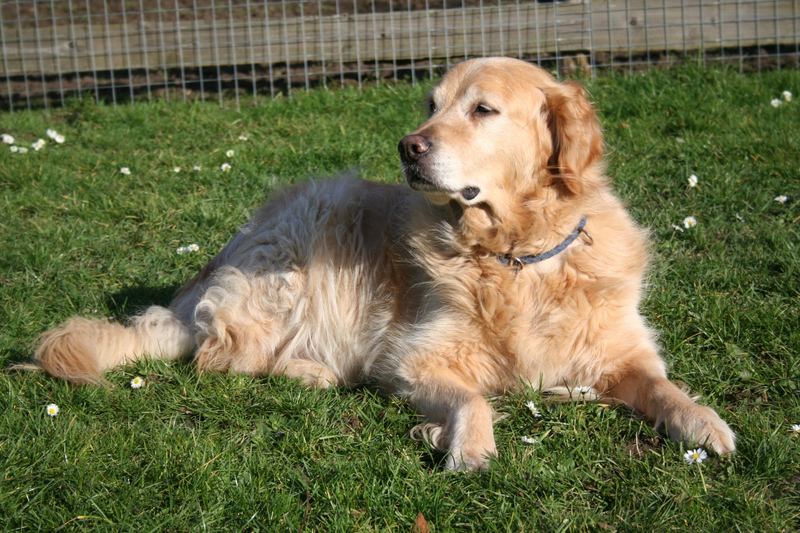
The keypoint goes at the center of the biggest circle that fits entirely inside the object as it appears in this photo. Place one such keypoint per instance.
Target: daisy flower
(795, 428)
(533, 409)
(14, 148)
(528, 440)
(695, 456)
(787, 96)
(176, 170)
(126, 171)
(689, 222)
(775, 102)
(137, 382)
(692, 181)
(225, 167)
(7, 139)
(246, 138)
(187, 249)
(197, 168)
(57, 137)
(229, 153)
(781, 199)
(677, 228)
(19, 149)
(52, 409)
(39, 144)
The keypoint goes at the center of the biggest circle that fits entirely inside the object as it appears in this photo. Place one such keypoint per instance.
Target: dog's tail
(81, 350)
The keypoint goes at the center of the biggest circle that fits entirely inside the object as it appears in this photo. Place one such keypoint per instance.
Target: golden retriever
(508, 262)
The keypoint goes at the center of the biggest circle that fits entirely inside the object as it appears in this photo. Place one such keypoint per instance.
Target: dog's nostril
(420, 146)
(414, 146)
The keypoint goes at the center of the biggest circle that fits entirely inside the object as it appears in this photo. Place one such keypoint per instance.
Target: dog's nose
(413, 147)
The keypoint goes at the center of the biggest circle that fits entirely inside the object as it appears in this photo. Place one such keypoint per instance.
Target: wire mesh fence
(126, 50)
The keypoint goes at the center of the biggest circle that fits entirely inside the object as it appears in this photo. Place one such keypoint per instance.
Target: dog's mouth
(418, 182)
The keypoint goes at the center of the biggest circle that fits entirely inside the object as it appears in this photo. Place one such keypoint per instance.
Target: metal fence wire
(127, 50)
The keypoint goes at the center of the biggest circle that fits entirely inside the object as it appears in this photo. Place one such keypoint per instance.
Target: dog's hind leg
(244, 325)
(240, 322)
(310, 373)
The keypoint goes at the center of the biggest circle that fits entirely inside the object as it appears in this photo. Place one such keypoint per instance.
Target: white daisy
(782, 199)
(528, 440)
(225, 167)
(197, 168)
(137, 382)
(246, 138)
(14, 148)
(695, 456)
(692, 181)
(57, 137)
(187, 249)
(775, 102)
(176, 170)
(125, 170)
(533, 409)
(20, 150)
(39, 144)
(795, 428)
(7, 139)
(689, 222)
(52, 409)
(787, 96)
(677, 228)
(229, 153)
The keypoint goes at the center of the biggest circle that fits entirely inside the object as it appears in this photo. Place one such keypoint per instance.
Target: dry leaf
(420, 524)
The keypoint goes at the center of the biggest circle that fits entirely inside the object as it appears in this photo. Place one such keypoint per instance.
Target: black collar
(520, 262)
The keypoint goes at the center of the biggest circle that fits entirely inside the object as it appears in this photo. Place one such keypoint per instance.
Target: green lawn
(226, 452)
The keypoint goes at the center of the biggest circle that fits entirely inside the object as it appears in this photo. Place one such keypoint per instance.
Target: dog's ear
(576, 136)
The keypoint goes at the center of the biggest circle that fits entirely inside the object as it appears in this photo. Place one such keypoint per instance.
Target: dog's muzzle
(415, 153)
(414, 150)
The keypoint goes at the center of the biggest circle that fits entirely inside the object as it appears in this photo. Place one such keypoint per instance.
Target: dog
(507, 262)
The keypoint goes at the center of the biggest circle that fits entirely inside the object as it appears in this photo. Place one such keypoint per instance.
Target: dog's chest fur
(531, 322)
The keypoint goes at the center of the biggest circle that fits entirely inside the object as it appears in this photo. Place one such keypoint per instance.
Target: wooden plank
(530, 29)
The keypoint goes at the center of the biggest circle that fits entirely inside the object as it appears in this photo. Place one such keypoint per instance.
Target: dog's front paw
(470, 458)
(470, 436)
(698, 424)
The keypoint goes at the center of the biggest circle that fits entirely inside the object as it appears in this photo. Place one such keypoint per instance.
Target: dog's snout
(412, 147)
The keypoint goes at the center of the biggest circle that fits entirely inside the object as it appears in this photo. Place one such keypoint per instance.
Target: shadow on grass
(9, 362)
(132, 300)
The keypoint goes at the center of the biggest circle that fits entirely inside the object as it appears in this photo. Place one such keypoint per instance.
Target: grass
(227, 452)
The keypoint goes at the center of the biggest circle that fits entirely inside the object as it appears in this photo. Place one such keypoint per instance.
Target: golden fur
(343, 282)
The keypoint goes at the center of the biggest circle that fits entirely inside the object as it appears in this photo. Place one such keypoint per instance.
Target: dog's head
(502, 138)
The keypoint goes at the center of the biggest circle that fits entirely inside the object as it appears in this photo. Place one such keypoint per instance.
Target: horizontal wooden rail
(525, 29)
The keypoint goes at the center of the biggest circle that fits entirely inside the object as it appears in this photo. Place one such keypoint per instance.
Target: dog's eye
(431, 107)
(483, 110)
